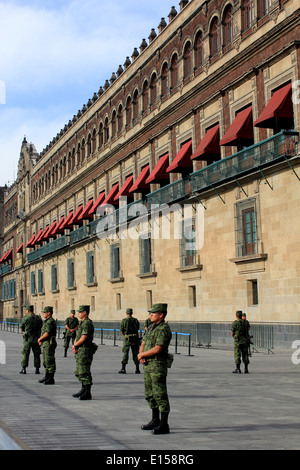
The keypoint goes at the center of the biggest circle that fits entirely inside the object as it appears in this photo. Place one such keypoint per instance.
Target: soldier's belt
(128, 336)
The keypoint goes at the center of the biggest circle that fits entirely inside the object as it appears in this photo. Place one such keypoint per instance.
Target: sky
(54, 54)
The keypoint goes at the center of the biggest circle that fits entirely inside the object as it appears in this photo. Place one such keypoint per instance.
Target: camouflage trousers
(49, 356)
(29, 345)
(155, 381)
(134, 346)
(240, 350)
(69, 337)
(84, 359)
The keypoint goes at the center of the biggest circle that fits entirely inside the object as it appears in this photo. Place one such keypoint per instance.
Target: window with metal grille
(115, 261)
(188, 252)
(145, 255)
(246, 228)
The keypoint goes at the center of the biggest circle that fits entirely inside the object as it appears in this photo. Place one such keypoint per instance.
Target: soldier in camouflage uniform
(154, 355)
(240, 334)
(84, 350)
(48, 341)
(30, 327)
(130, 330)
(71, 325)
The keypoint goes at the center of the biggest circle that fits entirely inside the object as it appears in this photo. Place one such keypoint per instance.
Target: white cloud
(57, 54)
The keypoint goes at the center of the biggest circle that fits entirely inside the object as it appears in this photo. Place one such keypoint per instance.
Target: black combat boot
(50, 379)
(65, 352)
(246, 369)
(237, 370)
(42, 381)
(154, 421)
(123, 370)
(37, 370)
(137, 369)
(86, 395)
(163, 427)
(78, 394)
(23, 371)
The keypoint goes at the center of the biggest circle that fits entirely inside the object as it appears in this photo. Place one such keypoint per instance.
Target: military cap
(84, 308)
(48, 309)
(239, 313)
(129, 311)
(30, 308)
(72, 311)
(158, 308)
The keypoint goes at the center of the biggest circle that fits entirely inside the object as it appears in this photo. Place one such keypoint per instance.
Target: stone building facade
(191, 148)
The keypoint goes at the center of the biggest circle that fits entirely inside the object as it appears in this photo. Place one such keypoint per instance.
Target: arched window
(174, 71)
(106, 130)
(135, 105)
(164, 80)
(263, 7)
(228, 26)
(94, 141)
(198, 50)
(128, 111)
(214, 37)
(120, 118)
(83, 150)
(153, 89)
(187, 60)
(89, 146)
(73, 159)
(101, 139)
(248, 16)
(145, 96)
(113, 124)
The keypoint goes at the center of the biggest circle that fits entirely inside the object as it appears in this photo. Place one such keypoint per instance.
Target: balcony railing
(256, 157)
(79, 234)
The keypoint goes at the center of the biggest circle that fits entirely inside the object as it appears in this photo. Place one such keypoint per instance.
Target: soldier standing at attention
(48, 341)
(130, 330)
(84, 350)
(30, 327)
(71, 325)
(154, 355)
(240, 334)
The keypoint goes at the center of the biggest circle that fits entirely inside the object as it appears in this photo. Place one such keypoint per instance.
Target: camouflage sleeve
(86, 329)
(164, 337)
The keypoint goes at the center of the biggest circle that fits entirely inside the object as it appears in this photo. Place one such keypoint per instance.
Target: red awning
(29, 243)
(140, 183)
(124, 191)
(38, 237)
(182, 163)
(45, 233)
(159, 173)
(279, 107)
(85, 213)
(209, 146)
(110, 198)
(97, 203)
(240, 129)
(57, 228)
(76, 216)
(7, 256)
(20, 249)
(48, 231)
(67, 222)
(2, 259)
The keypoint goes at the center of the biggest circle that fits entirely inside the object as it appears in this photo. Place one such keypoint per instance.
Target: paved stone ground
(211, 408)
